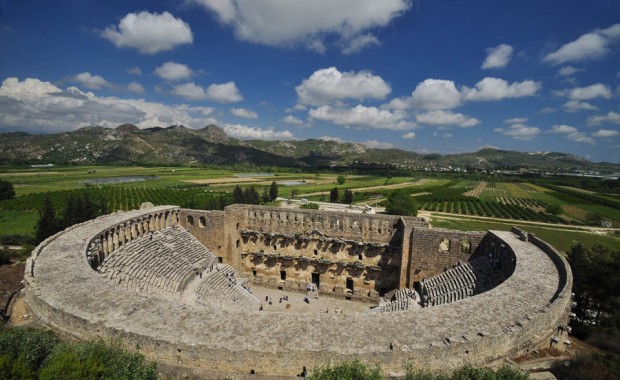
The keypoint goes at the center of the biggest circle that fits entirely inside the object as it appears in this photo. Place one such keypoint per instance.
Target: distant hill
(179, 145)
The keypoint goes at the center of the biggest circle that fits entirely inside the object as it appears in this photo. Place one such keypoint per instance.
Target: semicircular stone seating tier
(526, 310)
(160, 262)
(467, 279)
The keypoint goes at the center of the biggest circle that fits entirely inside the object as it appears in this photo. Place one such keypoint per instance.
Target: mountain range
(179, 145)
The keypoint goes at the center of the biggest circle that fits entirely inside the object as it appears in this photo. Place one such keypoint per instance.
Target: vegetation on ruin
(34, 354)
(309, 206)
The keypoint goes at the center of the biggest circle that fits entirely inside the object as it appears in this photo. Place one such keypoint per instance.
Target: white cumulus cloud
(580, 137)
(496, 89)
(328, 85)
(224, 93)
(135, 87)
(173, 71)
(568, 71)
(134, 70)
(244, 113)
(519, 131)
(593, 45)
(435, 94)
(312, 24)
(290, 119)
(563, 129)
(220, 93)
(363, 117)
(34, 105)
(497, 57)
(604, 133)
(254, 133)
(516, 120)
(611, 117)
(190, 91)
(149, 33)
(359, 43)
(408, 136)
(92, 82)
(576, 105)
(447, 119)
(597, 90)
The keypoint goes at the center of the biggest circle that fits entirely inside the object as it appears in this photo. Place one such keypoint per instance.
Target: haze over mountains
(179, 145)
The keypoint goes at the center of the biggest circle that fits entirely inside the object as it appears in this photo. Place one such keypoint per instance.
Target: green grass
(562, 240)
(18, 222)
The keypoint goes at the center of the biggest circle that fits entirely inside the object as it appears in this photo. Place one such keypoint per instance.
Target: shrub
(25, 350)
(310, 206)
(95, 360)
(354, 370)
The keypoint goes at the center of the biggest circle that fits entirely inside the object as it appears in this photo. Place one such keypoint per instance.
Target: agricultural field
(561, 239)
(211, 188)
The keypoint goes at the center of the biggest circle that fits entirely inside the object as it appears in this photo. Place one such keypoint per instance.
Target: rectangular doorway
(350, 284)
(316, 279)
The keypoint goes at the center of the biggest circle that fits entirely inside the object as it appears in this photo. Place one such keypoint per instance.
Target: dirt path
(554, 226)
(358, 189)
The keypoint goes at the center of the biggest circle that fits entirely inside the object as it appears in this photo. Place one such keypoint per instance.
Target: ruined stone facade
(355, 256)
(358, 257)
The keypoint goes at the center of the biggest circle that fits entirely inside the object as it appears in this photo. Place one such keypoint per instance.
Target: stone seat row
(404, 299)
(217, 288)
(160, 263)
(460, 282)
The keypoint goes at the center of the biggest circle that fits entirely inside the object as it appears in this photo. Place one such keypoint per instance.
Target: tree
(78, 209)
(333, 195)
(341, 179)
(554, 209)
(102, 206)
(273, 191)
(294, 193)
(594, 219)
(401, 203)
(6, 190)
(48, 224)
(250, 196)
(596, 285)
(348, 196)
(265, 196)
(238, 195)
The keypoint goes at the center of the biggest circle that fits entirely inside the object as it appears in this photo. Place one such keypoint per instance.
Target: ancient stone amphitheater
(175, 283)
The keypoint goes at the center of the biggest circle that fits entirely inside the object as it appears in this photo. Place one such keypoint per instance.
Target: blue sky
(427, 76)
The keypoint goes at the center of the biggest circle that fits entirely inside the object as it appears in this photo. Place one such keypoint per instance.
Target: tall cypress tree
(273, 191)
(333, 195)
(238, 195)
(89, 210)
(251, 196)
(48, 224)
(348, 196)
(265, 197)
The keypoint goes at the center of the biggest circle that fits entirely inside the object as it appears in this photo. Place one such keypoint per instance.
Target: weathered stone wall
(350, 255)
(207, 227)
(434, 250)
(359, 227)
(522, 313)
